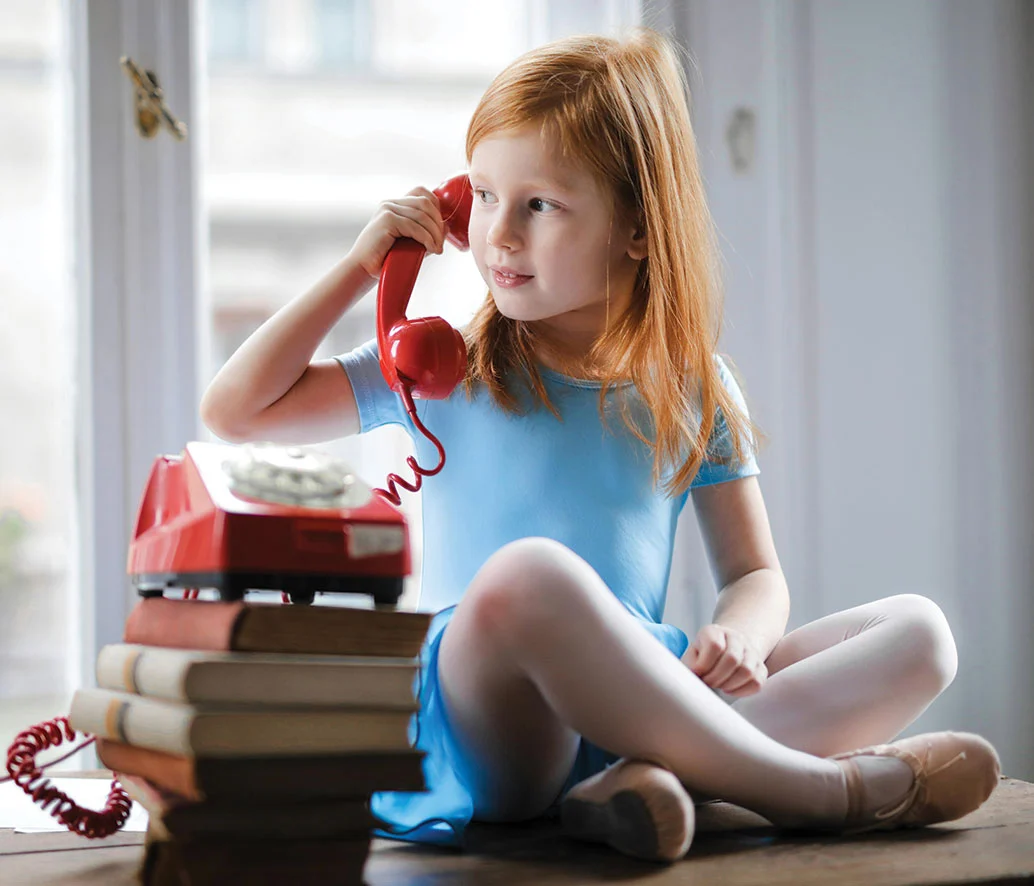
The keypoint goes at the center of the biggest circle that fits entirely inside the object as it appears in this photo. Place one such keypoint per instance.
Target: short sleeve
(720, 465)
(378, 404)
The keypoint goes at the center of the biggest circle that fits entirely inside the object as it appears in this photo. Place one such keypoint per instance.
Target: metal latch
(151, 110)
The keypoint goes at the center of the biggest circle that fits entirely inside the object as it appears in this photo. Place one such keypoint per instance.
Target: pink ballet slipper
(955, 772)
(636, 807)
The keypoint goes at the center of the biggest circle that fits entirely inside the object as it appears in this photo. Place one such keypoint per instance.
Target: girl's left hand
(725, 660)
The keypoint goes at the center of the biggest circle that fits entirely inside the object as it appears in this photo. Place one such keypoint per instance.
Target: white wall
(879, 307)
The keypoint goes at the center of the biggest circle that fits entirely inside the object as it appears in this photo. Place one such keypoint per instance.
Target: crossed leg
(856, 677)
(539, 652)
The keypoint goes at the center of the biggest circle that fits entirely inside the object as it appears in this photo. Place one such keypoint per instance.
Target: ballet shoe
(635, 807)
(954, 773)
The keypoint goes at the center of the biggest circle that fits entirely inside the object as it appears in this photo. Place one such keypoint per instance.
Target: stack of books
(254, 734)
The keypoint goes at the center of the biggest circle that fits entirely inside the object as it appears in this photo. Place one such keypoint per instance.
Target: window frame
(138, 270)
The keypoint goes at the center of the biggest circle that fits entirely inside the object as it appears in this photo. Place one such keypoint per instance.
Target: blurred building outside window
(341, 29)
(236, 30)
(37, 387)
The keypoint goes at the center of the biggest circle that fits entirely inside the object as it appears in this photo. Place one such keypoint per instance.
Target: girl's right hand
(416, 216)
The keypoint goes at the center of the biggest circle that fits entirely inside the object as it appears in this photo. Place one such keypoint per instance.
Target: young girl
(593, 408)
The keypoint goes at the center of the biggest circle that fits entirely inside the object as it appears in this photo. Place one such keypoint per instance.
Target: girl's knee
(929, 637)
(524, 580)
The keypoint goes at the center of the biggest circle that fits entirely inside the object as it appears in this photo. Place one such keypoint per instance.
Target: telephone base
(301, 588)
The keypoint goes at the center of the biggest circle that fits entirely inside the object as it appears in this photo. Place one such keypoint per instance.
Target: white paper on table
(19, 811)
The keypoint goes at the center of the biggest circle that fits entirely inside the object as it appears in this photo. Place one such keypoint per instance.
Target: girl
(593, 408)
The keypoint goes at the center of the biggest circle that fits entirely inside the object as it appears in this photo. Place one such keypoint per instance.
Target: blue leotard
(508, 477)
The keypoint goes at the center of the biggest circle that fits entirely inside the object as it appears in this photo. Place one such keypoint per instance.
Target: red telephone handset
(426, 355)
(424, 358)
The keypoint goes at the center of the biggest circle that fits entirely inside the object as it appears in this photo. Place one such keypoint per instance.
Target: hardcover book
(209, 731)
(262, 779)
(271, 627)
(258, 678)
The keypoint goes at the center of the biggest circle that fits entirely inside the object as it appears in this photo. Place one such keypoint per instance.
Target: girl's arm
(758, 606)
(753, 599)
(270, 389)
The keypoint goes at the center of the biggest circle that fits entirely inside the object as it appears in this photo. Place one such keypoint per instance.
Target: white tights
(540, 652)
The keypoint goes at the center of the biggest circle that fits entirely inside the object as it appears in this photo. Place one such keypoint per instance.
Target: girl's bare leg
(854, 678)
(540, 651)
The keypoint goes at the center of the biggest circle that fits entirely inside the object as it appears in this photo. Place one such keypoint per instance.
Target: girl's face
(542, 237)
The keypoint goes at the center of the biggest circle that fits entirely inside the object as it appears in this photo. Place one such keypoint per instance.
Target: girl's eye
(537, 204)
(483, 195)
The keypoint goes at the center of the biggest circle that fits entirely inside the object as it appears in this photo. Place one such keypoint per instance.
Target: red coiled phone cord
(23, 771)
(391, 493)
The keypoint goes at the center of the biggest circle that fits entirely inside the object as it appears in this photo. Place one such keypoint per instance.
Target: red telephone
(201, 511)
(258, 516)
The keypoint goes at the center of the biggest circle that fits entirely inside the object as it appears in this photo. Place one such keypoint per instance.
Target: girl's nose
(504, 232)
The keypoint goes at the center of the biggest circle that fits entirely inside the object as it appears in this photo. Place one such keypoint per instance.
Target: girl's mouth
(508, 281)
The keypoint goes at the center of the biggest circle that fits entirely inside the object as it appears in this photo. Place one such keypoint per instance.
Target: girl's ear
(637, 245)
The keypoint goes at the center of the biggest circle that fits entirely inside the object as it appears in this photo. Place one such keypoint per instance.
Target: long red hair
(620, 107)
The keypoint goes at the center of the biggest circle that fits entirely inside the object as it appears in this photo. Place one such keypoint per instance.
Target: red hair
(620, 109)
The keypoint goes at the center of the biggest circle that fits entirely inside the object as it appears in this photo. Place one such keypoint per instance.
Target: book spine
(269, 779)
(183, 624)
(189, 731)
(143, 671)
(203, 677)
(132, 720)
(174, 773)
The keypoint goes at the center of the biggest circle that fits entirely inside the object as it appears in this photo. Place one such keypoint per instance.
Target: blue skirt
(440, 814)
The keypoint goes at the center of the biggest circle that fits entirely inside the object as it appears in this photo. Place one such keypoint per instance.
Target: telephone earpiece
(426, 355)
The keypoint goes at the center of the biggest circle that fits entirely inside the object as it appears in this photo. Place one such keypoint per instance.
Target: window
(342, 32)
(37, 484)
(235, 30)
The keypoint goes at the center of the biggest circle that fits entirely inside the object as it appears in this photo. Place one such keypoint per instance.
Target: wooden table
(995, 844)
